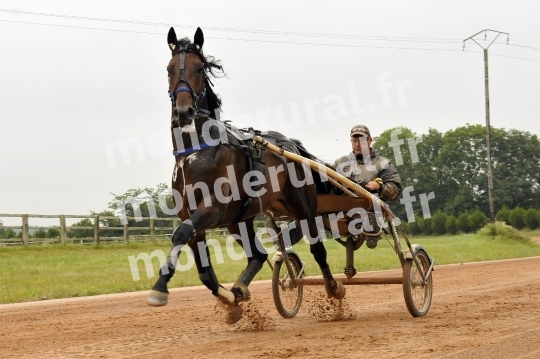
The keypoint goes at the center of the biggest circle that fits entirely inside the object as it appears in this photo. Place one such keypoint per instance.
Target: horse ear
(172, 40)
(198, 38)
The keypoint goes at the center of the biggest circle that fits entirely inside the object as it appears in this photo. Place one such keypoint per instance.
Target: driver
(366, 166)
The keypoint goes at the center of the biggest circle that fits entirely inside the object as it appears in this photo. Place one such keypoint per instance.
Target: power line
(228, 38)
(257, 40)
(254, 31)
(269, 32)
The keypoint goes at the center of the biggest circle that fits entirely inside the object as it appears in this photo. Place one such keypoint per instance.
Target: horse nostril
(190, 113)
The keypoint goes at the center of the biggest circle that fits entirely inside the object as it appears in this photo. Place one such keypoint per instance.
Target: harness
(251, 149)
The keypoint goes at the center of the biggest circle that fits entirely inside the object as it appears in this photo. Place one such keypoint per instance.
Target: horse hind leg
(334, 289)
(256, 254)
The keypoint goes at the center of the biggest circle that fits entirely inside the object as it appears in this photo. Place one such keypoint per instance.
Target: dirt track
(480, 310)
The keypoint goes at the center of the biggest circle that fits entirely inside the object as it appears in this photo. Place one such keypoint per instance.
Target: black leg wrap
(209, 279)
(253, 267)
(295, 234)
(165, 275)
(183, 233)
(327, 274)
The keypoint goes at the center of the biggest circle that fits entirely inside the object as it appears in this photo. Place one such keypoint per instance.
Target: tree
(453, 166)
(2, 231)
(516, 173)
(139, 199)
(82, 233)
(109, 223)
(402, 159)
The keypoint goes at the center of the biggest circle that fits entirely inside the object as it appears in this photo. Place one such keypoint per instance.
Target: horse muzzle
(184, 117)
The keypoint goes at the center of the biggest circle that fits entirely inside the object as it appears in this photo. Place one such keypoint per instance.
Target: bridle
(197, 98)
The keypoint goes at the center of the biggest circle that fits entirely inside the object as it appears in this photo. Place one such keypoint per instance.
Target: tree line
(453, 164)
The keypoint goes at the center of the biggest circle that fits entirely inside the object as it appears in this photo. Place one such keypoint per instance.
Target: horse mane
(213, 69)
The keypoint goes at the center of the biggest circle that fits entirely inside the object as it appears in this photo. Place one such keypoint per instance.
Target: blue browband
(187, 151)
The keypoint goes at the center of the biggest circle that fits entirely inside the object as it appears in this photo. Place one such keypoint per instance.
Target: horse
(208, 164)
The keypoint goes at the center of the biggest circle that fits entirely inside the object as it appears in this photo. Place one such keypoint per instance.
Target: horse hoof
(234, 314)
(335, 290)
(340, 291)
(157, 299)
(241, 292)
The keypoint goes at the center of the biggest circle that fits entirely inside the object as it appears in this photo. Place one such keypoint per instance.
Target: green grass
(53, 271)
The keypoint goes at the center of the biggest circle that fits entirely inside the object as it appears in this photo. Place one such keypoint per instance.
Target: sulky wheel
(417, 294)
(287, 296)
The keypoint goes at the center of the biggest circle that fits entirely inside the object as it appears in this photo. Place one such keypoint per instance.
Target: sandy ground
(480, 310)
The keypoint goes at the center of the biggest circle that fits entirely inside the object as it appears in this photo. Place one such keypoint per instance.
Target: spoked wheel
(287, 296)
(417, 294)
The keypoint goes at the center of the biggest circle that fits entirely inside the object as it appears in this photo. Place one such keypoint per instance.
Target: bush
(477, 220)
(503, 215)
(425, 225)
(10, 233)
(438, 223)
(501, 229)
(40, 233)
(414, 229)
(532, 218)
(462, 223)
(53, 233)
(451, 225)
(517, 218)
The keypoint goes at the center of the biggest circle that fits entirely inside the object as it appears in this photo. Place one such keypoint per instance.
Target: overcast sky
(69, 91)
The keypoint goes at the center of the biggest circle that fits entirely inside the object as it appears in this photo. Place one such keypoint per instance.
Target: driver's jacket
(354, 168)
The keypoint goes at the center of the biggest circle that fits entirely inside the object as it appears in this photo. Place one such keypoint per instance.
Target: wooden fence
(98, 229)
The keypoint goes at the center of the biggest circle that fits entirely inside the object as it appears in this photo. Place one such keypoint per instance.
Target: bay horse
(206, 174)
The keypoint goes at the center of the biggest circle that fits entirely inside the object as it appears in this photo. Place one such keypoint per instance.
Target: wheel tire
(417, 295)
(287, 298)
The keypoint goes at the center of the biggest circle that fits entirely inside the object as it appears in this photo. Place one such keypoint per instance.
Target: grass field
(54, 271)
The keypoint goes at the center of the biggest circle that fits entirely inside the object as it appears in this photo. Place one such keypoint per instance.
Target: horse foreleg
(209, 279)
(206, 272)
(201, 219)
(159, 294)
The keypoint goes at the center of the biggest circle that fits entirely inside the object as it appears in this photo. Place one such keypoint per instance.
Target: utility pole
(488, 128)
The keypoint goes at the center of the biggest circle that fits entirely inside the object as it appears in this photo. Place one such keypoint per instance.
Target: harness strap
(190, 150)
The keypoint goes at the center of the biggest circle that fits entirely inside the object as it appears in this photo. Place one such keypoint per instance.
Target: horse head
(189, 84)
